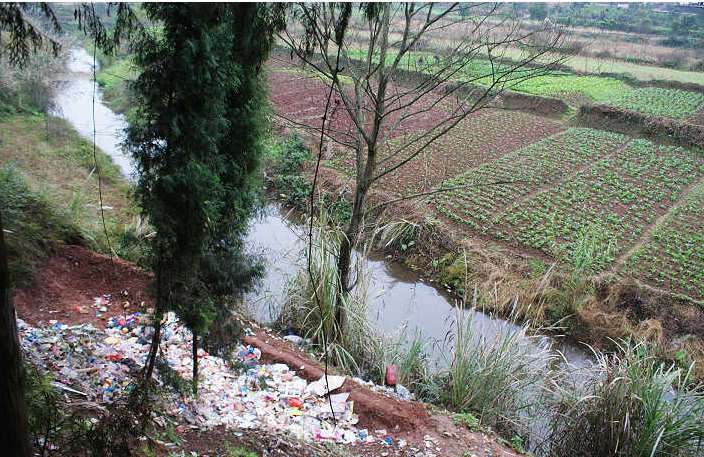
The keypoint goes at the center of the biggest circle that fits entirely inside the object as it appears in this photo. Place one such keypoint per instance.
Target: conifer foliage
(196, 144)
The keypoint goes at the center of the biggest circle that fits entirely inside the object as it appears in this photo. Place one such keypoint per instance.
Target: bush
(286, 171)
(291, 157)
(29, 89)
(44, 415)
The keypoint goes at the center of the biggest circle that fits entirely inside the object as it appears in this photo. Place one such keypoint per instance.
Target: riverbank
(598, 310)
(50, 183)
(74, 276)
(68, 278)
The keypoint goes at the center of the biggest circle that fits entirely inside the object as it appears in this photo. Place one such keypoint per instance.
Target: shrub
(286, 171)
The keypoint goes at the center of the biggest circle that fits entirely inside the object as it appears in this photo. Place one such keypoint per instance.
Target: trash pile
(100, 365)
(95, 363)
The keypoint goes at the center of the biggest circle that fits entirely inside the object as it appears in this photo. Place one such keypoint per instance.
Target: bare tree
(387, 90)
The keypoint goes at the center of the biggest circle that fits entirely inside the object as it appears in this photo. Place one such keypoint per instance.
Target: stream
(73, 101)
(397, 296)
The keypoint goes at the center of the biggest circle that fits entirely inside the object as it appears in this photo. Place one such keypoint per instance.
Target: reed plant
(627, 404)
(498, 376)
(313, 298)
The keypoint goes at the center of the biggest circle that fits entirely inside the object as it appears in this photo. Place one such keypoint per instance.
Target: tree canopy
(196, 142)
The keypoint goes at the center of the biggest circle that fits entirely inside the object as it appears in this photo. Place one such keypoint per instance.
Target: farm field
(573, 88)
(607, 205)
(672, 258)
(583, 64)
(529, 183)
(672, 103)
(478, 203)
(300, 98)
(484, 136)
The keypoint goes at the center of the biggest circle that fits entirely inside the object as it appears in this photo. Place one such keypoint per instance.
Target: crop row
(300, 97)
(481, 137)
(672, 103)
(673, 257)
(481, 194)
(609, 202)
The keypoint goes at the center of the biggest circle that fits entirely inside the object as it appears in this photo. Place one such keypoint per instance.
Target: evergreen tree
(196, 145)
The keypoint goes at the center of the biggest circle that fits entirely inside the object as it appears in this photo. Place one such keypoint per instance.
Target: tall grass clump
(312, 300)
(133, 242)
(629, 404)
(498, 376)
(360, 348)
(408, 352)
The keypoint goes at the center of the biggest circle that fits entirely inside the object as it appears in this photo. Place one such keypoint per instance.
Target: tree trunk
(153, 349)
(195, 363)
(14, 435)
(344, 261)
(158, 316)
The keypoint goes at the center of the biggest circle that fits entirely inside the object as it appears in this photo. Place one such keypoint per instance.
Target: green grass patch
(29, 221)
(114, 79)
(50, 194)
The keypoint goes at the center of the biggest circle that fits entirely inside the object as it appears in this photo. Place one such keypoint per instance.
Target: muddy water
(397, 296)
(74, 103)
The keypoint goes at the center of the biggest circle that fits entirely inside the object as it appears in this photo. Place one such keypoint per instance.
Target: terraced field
(300, 97)
(672, 258)
(484, 136)
(530, 184)
(573, 88)
(478, 202)
(609, 203)
(672, 103)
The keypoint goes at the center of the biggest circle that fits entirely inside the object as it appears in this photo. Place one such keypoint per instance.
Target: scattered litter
(391, 375)
(297, 340)
(320, 387)
(100, 365)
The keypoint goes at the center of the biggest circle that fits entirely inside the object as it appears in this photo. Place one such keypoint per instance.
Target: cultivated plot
(655, 101)
(672, 258)
(479, 202)
(481, 137)
(604, 207)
